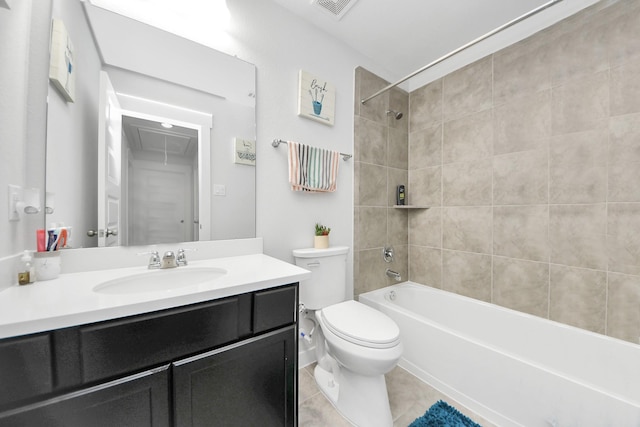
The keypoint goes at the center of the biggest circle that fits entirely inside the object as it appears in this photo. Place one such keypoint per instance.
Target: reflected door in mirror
(109, 164)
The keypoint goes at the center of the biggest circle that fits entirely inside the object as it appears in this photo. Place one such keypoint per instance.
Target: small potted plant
(321, 239)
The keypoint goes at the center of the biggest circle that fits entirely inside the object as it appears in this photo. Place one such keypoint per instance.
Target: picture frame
(316, 98)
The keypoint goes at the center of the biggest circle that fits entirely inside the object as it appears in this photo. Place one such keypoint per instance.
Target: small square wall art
(316, 98)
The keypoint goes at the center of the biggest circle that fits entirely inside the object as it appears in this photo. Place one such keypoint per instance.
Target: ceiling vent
(337, 8)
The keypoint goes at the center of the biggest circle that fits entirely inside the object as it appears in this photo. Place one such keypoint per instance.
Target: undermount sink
(159, 280)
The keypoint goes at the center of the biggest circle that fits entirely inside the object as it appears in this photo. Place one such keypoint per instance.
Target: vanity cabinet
(231, 361)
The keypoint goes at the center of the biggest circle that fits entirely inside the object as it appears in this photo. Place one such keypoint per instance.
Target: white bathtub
(509, 367)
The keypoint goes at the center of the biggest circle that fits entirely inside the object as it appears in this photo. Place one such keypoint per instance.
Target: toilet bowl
(355, 344)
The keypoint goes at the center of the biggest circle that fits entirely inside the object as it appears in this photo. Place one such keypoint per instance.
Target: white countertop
(70, 300)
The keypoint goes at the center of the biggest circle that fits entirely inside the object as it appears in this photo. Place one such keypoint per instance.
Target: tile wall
(381, 164)
(530, 159)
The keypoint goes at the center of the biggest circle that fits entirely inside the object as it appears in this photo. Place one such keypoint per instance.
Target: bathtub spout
(394, 275)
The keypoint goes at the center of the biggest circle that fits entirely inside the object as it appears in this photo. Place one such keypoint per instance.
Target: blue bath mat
(441, 414)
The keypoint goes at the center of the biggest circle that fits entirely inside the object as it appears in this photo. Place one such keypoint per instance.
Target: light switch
(219, 190)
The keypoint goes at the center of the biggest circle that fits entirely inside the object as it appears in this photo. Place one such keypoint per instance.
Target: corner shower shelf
(410, 207)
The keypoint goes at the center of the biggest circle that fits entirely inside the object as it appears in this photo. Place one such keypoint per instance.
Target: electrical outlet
(219, 190)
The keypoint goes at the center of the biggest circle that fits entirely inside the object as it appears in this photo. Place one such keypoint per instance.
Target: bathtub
(509, 367)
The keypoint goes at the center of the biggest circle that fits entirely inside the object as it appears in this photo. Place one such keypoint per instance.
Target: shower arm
(461, 48)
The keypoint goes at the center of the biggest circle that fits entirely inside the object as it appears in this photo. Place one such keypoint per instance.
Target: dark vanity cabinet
(231, 361)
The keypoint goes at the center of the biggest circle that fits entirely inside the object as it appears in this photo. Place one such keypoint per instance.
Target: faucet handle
(181, 258)
(154, 259)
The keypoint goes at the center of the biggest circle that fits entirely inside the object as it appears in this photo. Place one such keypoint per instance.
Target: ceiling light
(166, 125)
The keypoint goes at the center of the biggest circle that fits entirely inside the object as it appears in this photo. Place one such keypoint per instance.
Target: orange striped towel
(312, 169)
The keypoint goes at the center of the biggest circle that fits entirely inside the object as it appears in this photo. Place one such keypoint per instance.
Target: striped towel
(312, 169)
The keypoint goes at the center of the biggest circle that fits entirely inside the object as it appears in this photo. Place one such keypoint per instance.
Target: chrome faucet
(394, 275)
(181, 259)
(154, 259)
(169, 260)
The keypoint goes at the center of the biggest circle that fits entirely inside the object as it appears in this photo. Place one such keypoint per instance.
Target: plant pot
(321, 242)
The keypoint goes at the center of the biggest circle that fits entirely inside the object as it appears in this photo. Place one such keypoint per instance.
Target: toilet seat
(361, 325)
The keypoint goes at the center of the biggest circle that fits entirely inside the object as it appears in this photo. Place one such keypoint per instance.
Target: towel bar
(277, 142)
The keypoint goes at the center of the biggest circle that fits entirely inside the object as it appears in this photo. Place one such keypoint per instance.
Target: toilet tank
(328, 282)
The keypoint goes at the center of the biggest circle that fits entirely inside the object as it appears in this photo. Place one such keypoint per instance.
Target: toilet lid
(361, 324)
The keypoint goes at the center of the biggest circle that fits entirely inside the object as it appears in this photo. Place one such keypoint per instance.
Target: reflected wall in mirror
(102, 149)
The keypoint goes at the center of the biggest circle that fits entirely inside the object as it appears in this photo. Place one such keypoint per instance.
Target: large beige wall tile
(624, 38)
(522, 122)
(623, 239)
(371, 185)
(370, 140)
(368, 84)
(468, 90)
(425, 266)
(521, 285)
(397, 227)
(521, 178)
(578, 168)
(519, 70)
(426, 106)
(425, 147)
(623, 316)
(467, 183)
(370, 268)
(425, 186)
(467, 274)
(577, 235)
(577, 297)
(625, 88)
(467, 228)
(581, 104)
(425, 228)
(579, 52)
(398, 151)
(372, 227)
(521, 232)
(624, 159)
(468, 138)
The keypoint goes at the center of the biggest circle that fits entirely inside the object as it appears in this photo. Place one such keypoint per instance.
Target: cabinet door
(251, 383)
(25, 368)
(136, 401)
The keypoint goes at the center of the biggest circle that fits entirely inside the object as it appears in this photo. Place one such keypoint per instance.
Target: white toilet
(355, 344)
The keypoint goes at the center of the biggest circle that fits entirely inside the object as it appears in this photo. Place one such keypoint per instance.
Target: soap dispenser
(26, 274)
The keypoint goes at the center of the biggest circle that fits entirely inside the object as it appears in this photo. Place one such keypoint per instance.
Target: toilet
(355, 344)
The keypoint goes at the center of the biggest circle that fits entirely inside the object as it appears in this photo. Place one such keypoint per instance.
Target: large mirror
(155, 143)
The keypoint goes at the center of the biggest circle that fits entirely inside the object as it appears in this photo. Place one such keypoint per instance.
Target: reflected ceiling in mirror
(159, 78)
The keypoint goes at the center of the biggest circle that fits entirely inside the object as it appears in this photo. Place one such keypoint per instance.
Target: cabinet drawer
(274, 308)
(118, 347)
(25, 368)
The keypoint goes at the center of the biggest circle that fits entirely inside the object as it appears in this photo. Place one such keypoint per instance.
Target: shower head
(396, 114)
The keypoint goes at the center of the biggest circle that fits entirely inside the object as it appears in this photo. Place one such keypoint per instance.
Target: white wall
(24, 34)
(280, 44)
(72, 134)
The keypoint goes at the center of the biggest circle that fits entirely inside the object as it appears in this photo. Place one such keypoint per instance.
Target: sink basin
(159, 280)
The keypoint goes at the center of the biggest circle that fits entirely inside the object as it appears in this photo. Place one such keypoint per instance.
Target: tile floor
(409, 398)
